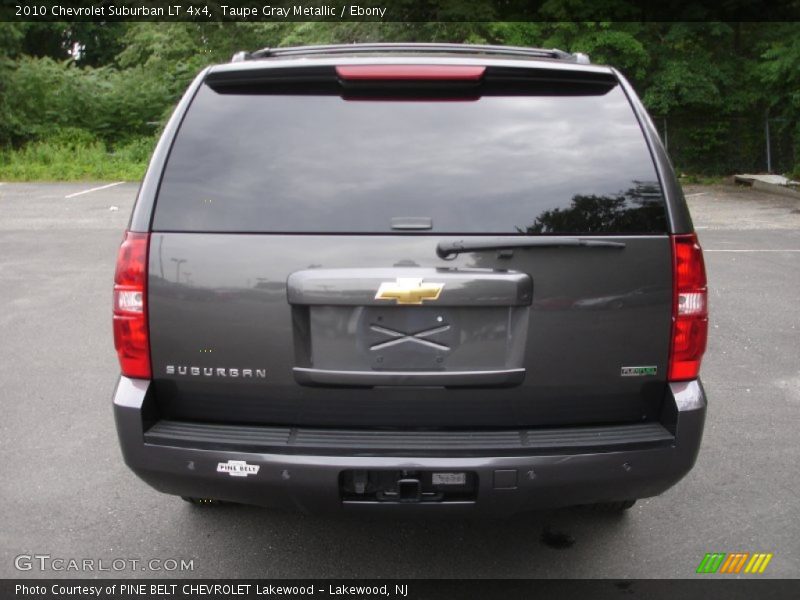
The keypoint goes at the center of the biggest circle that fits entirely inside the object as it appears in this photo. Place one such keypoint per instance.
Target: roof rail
(552, 53)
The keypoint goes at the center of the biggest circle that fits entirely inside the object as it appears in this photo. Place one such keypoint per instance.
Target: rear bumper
(542, 471)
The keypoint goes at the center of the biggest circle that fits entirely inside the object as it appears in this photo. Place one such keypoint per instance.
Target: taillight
(689, 308)
(131, 337)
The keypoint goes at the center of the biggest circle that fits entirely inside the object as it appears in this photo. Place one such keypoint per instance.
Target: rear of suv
(410, 278)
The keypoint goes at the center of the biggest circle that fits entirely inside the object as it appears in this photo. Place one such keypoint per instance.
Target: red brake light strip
(410, 72)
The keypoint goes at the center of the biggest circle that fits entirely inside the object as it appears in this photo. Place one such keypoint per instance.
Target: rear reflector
(689, 309)
(410, 72)
(131, 337)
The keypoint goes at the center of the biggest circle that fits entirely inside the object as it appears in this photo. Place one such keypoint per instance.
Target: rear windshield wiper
(451, 249)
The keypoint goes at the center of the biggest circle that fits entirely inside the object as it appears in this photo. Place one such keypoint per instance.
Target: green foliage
(11, 36)
(780, 72)
(606, 43)
(691, 71)
(48, 95)
(97, 44)
(780, 66)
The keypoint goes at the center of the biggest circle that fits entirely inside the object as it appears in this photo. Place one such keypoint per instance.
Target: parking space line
(94, 189)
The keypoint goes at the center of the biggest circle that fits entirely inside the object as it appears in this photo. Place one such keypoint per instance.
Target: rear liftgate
(348, 334)
(371, 327)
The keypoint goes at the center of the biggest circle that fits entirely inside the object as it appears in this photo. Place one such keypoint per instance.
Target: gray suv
(417, 278)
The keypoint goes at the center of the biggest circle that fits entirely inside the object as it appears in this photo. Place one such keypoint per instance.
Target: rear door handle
(325, 377)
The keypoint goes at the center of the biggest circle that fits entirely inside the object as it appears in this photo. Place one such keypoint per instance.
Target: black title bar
(277, 11)
(705, 588)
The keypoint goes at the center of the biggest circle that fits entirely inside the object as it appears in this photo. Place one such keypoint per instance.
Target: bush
(49, 97)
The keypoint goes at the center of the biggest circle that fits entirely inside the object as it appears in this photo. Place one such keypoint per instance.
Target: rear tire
(612, 507)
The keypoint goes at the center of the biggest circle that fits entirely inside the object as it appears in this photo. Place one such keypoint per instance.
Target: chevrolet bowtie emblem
(409, 290)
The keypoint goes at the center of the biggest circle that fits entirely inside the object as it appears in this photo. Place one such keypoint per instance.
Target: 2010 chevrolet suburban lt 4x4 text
(410, 278)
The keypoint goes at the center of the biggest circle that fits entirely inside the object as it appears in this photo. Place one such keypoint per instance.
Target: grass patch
(76, 160)
(701, 179)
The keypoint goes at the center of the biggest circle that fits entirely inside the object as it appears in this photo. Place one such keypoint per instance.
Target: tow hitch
(407, 486)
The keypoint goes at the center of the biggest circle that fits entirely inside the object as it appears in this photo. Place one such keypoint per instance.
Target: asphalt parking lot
(66, 493)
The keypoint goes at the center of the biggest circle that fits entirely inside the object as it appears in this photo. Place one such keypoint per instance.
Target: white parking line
(754, 250)
(94, 189)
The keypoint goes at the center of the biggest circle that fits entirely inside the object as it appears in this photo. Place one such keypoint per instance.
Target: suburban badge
(230, 372)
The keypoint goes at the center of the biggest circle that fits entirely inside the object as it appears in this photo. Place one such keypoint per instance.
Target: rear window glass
(497, 165)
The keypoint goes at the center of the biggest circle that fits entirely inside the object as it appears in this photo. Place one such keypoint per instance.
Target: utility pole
(178, 262)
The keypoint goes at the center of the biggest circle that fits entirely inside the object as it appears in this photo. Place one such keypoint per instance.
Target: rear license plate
(448, 478)
(417, 338)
